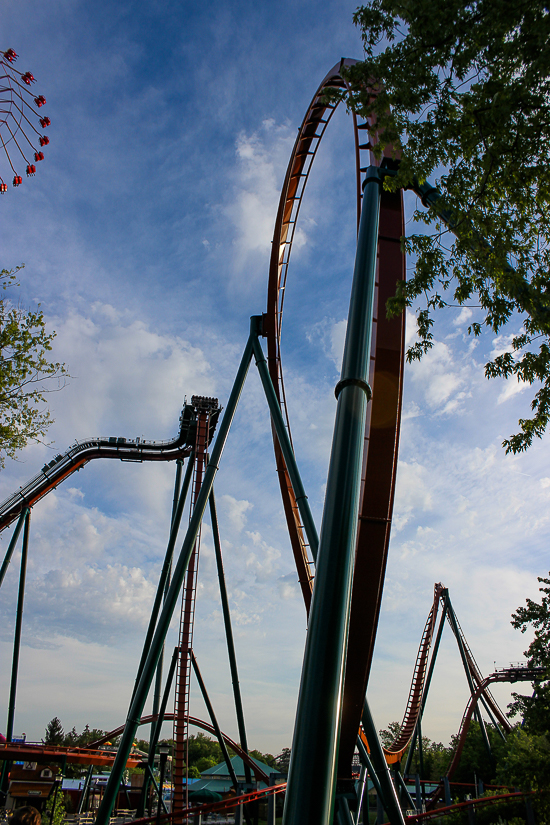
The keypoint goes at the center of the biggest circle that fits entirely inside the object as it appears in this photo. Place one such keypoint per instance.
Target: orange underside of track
(51, 753)
(383, 422)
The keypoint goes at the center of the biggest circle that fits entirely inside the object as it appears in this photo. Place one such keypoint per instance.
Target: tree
(202, 746)
(282, 761)
(204, 763)
(55, 810)
(25, 370)
(475, 759)
(462, 94)
(526, 763)
(55, 735)
(535, 709)
(266, 758)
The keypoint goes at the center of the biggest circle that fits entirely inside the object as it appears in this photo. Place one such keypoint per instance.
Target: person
(26, 815)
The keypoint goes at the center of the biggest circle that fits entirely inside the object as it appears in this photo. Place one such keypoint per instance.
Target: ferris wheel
(21, 126)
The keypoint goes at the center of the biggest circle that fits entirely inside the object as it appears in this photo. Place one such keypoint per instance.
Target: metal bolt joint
(353, 382)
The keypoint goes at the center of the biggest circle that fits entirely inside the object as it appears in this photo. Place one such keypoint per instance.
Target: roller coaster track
(384, 412)
(81, 452)
(14, 752)
(471, 804)
(197, 723)
(414, 702)
(230, 803)
(395, 751)
(511, 674)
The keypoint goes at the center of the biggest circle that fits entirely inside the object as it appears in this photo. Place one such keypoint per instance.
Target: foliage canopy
(535, 709)
(463, 95)
(24, 369)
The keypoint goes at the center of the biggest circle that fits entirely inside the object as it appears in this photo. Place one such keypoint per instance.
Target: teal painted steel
(456, 631)
(169, 553)
(158, 678)
(162, 592)
(312, 775)
(18, 628)
(365, 760)
(229, 634)
(286, 449)
(389, 795)
(402, 785)
(147, 675)
(361, 785)
(214, 721)
(11, 545)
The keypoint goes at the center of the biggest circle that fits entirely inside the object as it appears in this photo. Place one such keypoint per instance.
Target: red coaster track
(386, 379)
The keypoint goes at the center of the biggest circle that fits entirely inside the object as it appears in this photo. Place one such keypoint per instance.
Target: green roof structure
(218, 779)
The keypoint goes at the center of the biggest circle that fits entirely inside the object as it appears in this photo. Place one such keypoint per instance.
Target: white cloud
(262, 157)
(511, 388)
(441, 379)
(235, 511)
(463, 316)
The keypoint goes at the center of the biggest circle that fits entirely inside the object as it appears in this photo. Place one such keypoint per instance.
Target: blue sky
(146, 237)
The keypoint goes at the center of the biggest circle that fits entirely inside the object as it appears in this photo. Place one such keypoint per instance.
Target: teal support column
(408, 797)
(418, 793)
(11, 545)
(454, 624)
(148, 672)
(312, 775)
(365, 760)
(18, 628)
(420, 770)
(286, 449)
(389, 795)
(163, 583)
(162, 591)
(229, 634)
(158, 679)
(213, 719)
(360, 792)
(85, 791)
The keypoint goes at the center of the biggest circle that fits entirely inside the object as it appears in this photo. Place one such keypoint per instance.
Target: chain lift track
(205, 409)
(383, 418)
(414, 702)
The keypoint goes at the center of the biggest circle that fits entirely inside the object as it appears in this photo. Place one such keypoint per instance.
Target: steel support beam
(11, 545)
(148, 672)
(229, 634)
(312, 776)
(286, 449)
(456, 631)
(162, 592)
(389, 795)
(18, 627)
(158, 678)
(156, 728)
(213, 719)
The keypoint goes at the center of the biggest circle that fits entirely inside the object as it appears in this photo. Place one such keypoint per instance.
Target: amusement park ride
(341, 575)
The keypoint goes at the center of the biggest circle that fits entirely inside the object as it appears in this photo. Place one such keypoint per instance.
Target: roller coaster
(341, 575)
